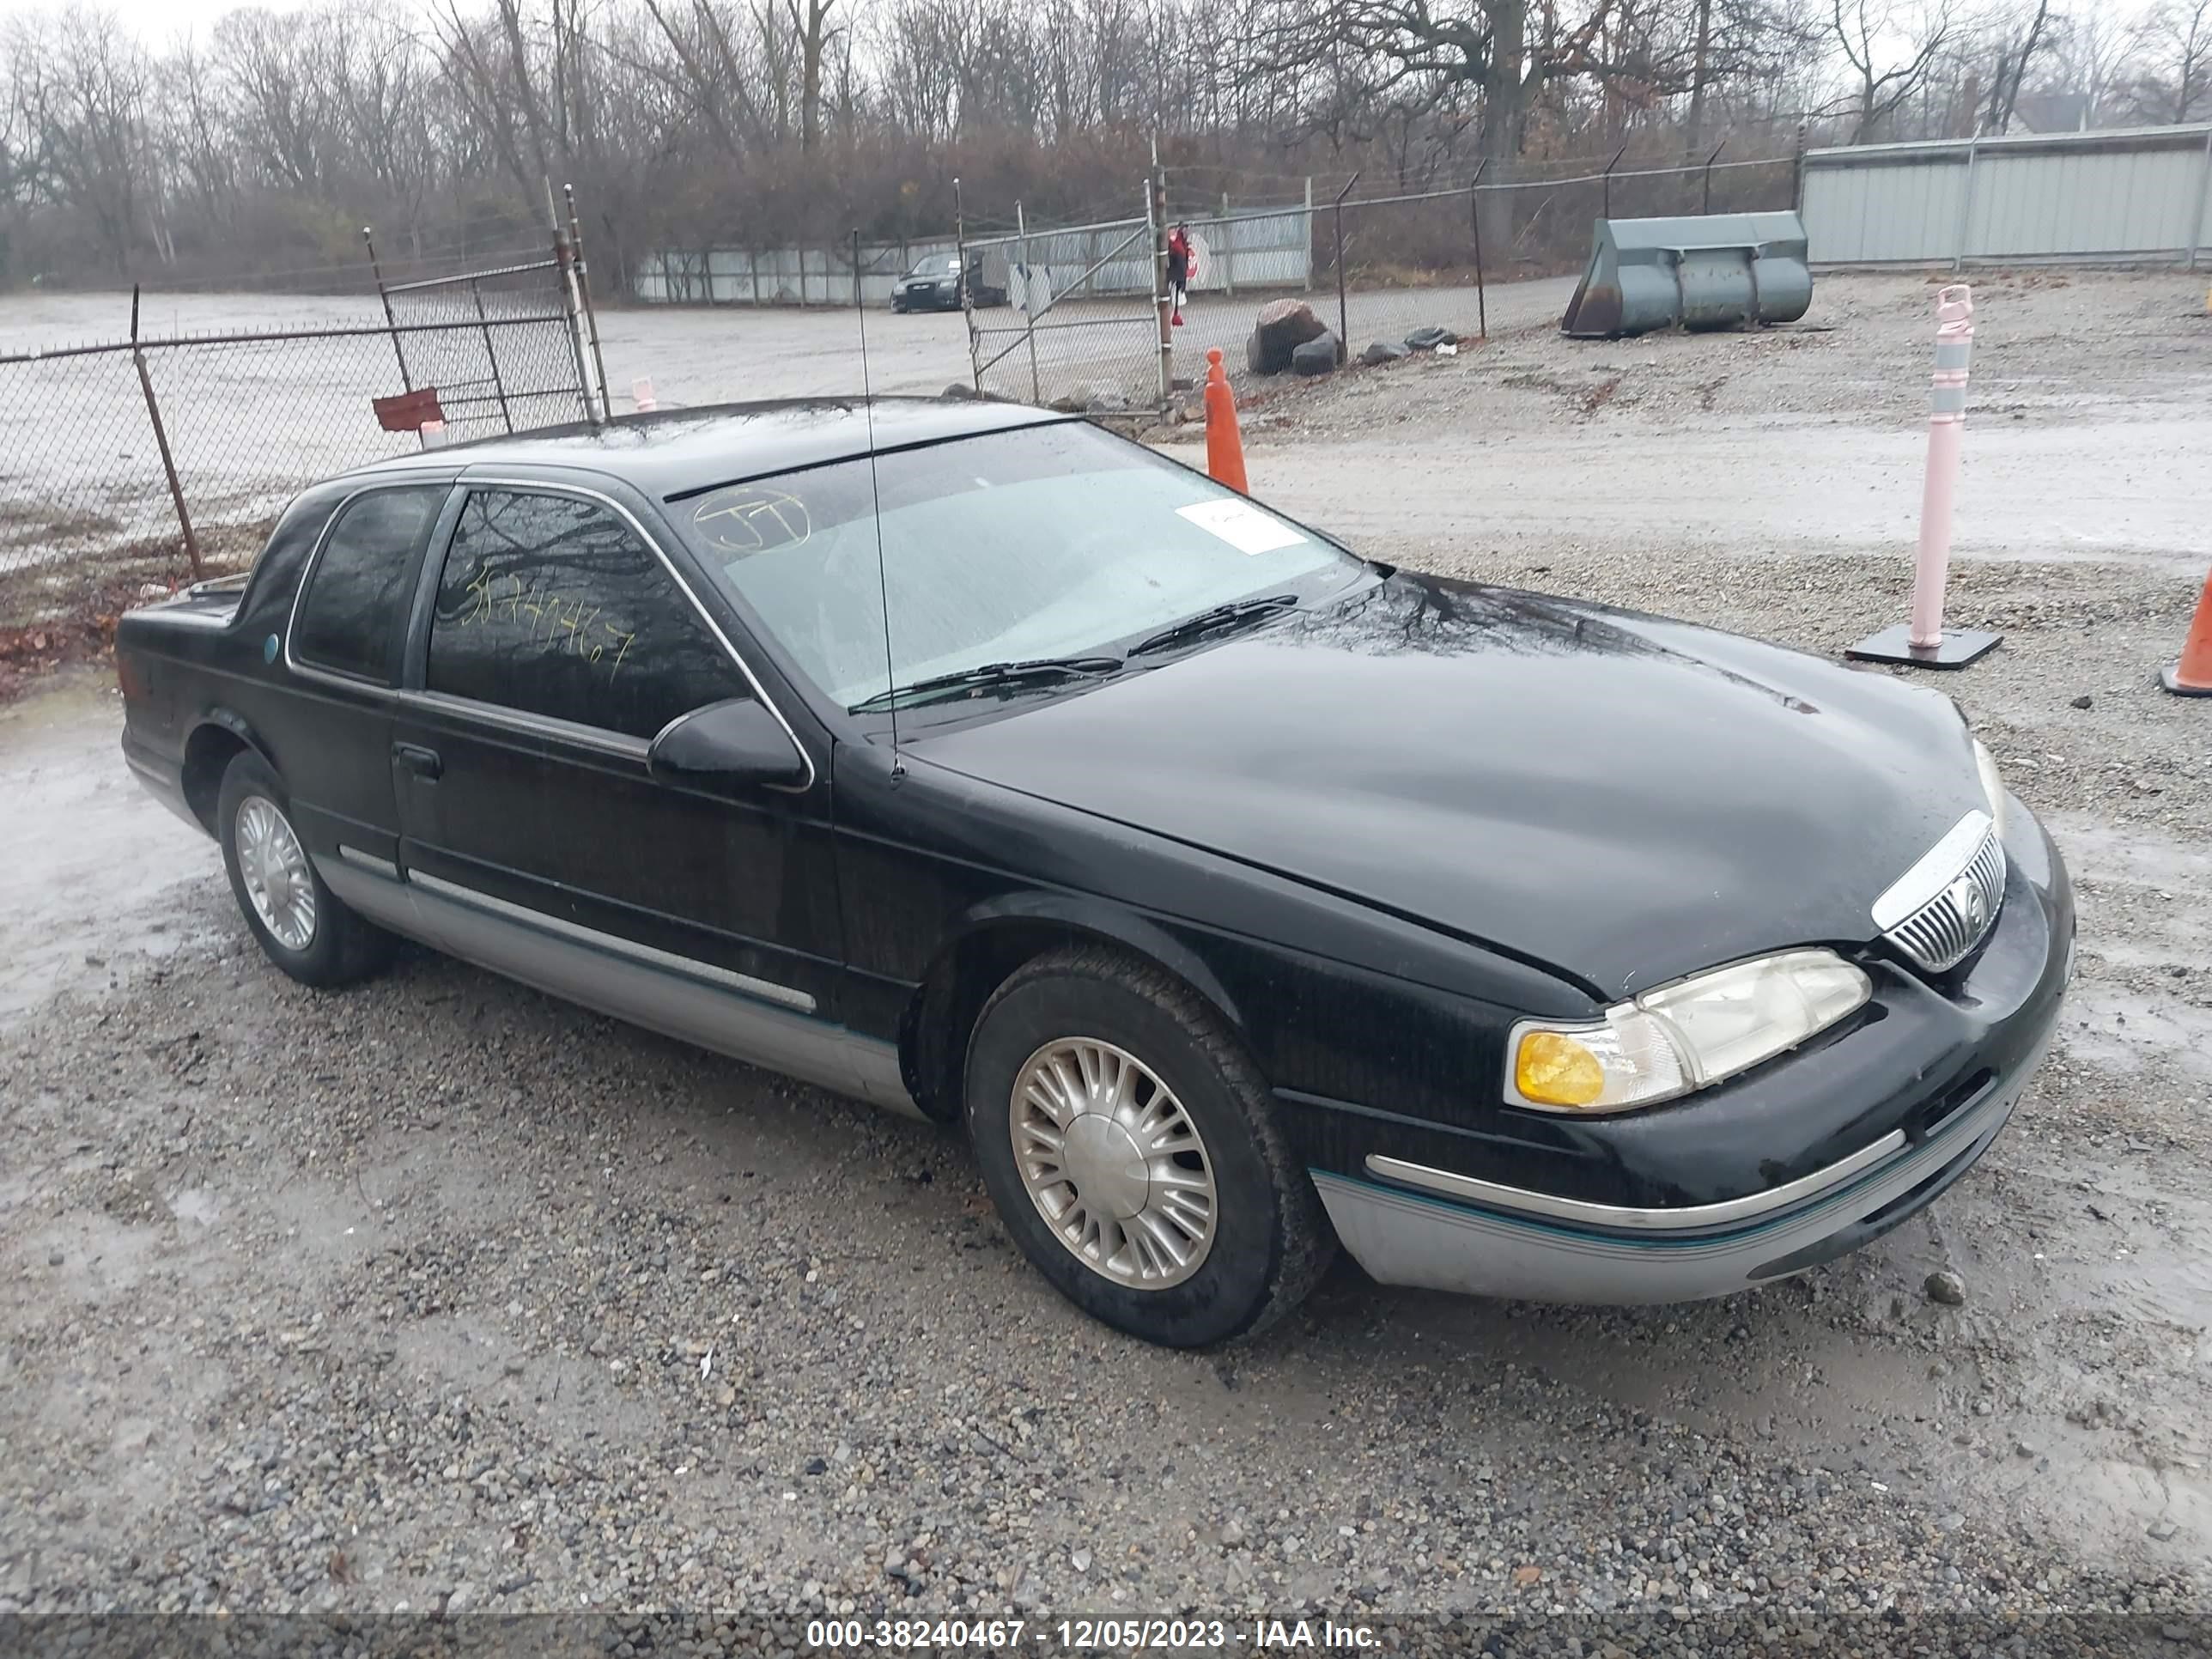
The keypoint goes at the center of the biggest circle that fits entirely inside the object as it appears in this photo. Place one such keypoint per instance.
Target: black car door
(343, 646)
(550, 643)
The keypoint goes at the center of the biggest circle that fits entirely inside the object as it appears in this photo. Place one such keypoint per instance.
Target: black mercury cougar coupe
(1241, 896)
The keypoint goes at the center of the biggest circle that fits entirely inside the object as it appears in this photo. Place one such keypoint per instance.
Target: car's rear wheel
(301, 925)
(1132, 1149)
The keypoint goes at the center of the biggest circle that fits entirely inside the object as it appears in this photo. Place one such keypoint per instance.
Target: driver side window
(551, 606)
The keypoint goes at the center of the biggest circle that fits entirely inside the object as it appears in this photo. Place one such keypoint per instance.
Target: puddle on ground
(86, 855)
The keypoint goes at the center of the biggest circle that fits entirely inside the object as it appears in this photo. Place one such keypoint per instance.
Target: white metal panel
(2143, 194)
(2082, 203)
(1899, 210)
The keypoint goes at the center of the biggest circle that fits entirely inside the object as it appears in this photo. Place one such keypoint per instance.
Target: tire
(328, 945)
(1089, 1017)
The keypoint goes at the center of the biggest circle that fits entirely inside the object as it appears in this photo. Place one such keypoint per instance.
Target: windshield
(937, 264)
(1044, 542)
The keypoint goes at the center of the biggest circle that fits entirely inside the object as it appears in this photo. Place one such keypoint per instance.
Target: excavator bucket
(1718, 270)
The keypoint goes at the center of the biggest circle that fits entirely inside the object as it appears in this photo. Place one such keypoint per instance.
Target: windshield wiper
(991, 674)
(1208, 621)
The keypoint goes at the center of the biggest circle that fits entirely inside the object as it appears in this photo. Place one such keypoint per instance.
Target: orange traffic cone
(2191, 677)
(1225, 450)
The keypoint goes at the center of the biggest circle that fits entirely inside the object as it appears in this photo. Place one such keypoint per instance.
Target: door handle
(423, 762)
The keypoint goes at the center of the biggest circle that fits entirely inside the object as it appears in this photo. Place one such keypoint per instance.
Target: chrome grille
(1941, 932)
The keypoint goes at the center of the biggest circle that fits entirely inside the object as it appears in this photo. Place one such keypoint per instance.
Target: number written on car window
(552, 606)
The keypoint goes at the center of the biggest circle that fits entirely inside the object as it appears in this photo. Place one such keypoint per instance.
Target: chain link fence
(1079, 329)
(1380, 268)
(129, 466)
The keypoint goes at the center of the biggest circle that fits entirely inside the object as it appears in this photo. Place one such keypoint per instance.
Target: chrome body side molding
(1689, 1218)
(734, 1014)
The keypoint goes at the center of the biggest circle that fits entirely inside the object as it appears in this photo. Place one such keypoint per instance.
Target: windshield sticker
(1242, 525)
(746, 519)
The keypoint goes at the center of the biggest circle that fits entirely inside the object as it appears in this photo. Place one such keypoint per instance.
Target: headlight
(1992, 784)
(1682, 1037)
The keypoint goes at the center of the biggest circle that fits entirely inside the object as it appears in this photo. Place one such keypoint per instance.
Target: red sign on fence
(408, 411)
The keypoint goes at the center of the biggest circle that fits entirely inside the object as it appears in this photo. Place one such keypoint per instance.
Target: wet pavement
(86, 856)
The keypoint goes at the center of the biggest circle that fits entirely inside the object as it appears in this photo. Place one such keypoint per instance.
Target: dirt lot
(437, 1293)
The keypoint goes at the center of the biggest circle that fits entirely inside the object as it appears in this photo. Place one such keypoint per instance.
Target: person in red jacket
(1183, 265)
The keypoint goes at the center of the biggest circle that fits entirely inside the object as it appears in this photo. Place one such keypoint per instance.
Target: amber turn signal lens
(1557, 1071)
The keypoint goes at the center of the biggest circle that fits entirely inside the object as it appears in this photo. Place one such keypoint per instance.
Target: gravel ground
(438, 1295)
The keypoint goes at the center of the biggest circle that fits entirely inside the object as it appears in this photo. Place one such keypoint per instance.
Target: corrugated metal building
(2137, 195)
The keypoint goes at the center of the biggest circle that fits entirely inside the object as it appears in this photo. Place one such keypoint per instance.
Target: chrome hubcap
(1113, 1163)
(273, 869)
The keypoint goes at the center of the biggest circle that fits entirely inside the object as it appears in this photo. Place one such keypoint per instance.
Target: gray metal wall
(2140, 195)
(1250, 250)
(787, 276)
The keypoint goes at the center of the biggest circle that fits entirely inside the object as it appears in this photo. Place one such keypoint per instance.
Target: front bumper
(1404, 1238)
(1409, 1217)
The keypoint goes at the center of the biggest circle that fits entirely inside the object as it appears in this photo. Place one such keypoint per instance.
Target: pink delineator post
(1946, 419)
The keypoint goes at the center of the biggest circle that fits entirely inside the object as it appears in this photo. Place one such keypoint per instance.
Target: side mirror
(733, 742)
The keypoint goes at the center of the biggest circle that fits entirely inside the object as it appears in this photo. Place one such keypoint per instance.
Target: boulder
(1428, 339)
(1383, 351)
(1282, 327)
(1106, 401)
(1319, 355)
(960, 389)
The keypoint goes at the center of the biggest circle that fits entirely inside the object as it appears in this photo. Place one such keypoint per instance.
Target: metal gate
(1081, 325)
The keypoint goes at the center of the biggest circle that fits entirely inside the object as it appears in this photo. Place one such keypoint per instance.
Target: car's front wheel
(301, 925)
(1131, 1147)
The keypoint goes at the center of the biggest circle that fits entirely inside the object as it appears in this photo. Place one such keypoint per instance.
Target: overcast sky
(157, 20)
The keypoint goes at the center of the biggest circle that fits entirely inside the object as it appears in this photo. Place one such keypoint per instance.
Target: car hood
(1617, 797)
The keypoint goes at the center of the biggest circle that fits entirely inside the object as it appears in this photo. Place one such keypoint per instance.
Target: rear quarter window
(350, 610)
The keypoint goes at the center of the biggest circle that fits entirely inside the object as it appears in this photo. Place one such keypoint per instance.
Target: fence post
(1029, 310)
(752, 264)
(1309, 233)
(2203, 191)
(1608, 185)
(1966, 209)
(1710, 160)
(498, 385)
(1474, 218)
(161, 440)
(591, 314)
(390, 321)
(1797, 174)
(1155, 220)
(1343, 345)
(967, 287)
(1228, 249)
(568, 312)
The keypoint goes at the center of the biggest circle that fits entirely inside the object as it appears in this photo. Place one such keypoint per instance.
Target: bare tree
(2174, 46)
(82, 83)
(1890, 53)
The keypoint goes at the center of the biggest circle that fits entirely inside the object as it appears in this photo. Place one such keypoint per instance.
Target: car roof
(676, 451)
